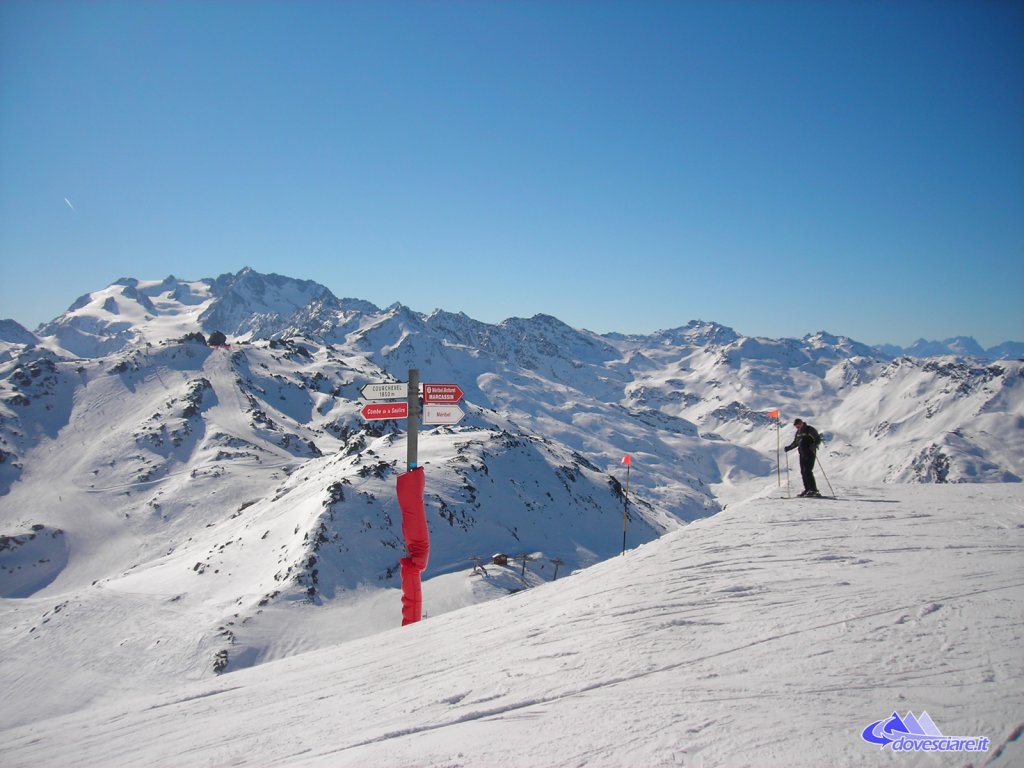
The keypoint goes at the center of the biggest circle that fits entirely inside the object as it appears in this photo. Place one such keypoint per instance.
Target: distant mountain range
(147, 474)
(250, 304)
(960, 346)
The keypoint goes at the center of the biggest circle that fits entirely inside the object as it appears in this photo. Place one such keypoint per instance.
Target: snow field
(770, 634)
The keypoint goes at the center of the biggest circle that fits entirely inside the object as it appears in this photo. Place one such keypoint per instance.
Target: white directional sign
(441, 414)
(385, 390)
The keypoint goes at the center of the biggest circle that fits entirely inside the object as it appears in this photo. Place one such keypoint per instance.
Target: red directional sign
(372, 411)
(442, 393)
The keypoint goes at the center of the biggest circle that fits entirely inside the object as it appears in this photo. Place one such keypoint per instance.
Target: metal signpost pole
(412, 460)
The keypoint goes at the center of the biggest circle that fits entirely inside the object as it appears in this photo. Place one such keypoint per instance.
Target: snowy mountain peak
(844, 345)
(959, 345)
(699, 333)
(254, 305)
(125, 314)
(14, 332)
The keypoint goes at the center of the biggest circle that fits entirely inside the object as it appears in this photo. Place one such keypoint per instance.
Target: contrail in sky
(70, 205)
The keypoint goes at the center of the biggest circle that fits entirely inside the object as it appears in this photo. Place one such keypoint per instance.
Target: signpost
(439, 406)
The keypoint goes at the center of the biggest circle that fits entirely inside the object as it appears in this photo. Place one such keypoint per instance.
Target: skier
(806, 441)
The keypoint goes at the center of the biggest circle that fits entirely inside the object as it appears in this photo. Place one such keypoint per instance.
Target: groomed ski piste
(774, 633)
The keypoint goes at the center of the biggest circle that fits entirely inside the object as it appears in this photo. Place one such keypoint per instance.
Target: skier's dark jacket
(806, 441)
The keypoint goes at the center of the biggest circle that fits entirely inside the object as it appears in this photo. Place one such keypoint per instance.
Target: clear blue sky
(779, 167)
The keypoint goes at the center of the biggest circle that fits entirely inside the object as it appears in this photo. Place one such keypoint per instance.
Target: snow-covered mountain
(961, 346)
(226, 505)
(12, 332)
(253, 305)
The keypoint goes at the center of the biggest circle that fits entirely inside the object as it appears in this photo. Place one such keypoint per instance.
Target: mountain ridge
(305, 306)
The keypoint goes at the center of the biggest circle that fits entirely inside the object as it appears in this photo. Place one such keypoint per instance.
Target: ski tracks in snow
(710, 646)
(685, 632)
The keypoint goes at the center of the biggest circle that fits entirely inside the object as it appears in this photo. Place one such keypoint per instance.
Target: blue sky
(779, 167)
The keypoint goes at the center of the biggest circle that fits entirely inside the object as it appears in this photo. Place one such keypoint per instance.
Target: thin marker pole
(778, 449)
(625, 501)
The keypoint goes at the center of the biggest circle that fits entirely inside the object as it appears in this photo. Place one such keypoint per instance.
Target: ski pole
(787, 474)
(822, 468)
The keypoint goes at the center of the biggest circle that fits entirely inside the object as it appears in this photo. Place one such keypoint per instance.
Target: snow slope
(771, 634)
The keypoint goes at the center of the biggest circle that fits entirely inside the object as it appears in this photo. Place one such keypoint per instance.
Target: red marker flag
(627, 460)
(773, 414)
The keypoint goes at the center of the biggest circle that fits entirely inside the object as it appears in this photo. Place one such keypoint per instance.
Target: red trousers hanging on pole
(417, 542)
